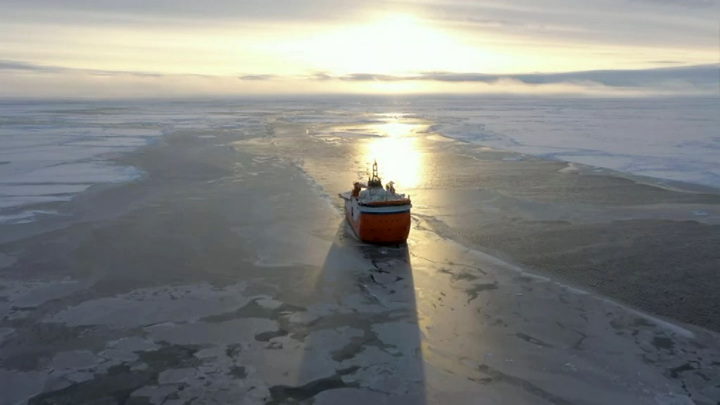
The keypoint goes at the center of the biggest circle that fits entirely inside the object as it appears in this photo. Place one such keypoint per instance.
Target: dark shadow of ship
(372, 293)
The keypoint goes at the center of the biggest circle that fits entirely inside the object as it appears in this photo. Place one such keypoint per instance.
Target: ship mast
(374, 181)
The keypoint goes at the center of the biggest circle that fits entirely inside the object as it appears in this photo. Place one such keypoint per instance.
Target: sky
(168, 48)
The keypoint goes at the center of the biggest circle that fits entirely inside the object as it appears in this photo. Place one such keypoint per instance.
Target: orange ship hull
(381, 224)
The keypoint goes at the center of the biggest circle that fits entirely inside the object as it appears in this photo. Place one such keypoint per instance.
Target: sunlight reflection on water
(396, 153)
(398, 160)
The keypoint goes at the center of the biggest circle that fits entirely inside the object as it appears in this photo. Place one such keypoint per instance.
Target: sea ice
(149, 306)
(674, 139)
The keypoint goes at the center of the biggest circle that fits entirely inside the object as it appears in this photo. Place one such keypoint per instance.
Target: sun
(396, 44)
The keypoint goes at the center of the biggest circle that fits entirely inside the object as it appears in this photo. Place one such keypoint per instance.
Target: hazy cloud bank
(702, 78)
(20, 78)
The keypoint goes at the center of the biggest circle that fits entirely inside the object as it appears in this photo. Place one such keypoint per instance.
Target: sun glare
(396, 44)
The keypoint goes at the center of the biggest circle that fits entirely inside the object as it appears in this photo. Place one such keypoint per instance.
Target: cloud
(26, 77)
(364, 77)
(701, 76)
(322, 76)
(16, 66)
(665, 62)
(20, 66)
(258, 77)
(699, 79)
(294, 36)
(184, 11)
(682, 3)
(664, 23)
(613, 21)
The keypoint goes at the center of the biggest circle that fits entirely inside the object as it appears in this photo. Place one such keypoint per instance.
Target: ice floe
(148, 306)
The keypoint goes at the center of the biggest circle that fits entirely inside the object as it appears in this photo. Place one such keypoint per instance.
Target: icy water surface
(52, 151)
(225, 273)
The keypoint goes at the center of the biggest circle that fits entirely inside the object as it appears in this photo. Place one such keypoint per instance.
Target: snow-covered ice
(675, 139)
(51, 151)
